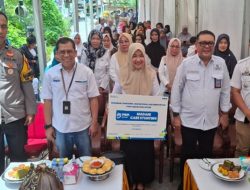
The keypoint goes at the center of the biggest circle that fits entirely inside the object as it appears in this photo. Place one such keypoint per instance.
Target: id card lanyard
(64, 87)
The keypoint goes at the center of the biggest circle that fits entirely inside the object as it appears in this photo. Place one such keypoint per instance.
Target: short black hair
(5, 16)
(64, 40)
(193, 39)
(31, 40)
(203, 32)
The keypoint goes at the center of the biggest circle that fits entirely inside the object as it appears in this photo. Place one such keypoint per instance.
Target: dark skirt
(140, 164)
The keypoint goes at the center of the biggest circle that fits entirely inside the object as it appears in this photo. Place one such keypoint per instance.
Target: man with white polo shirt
(70, 102)
(200, 99)
(240, 84)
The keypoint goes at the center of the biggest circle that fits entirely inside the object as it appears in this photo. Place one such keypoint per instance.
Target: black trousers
(16, 135)
(196, 143)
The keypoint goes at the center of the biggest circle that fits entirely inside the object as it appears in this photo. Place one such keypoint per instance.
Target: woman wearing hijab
(139, 38)
(154, 50)
(107, 44)
(107, 30)
(138, 78)
(119, 59)
(169, 64)
(97, 59)
(79, 45)
(222, 49)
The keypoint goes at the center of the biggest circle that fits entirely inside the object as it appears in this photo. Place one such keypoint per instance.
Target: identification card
(217, 83)
(66, 107)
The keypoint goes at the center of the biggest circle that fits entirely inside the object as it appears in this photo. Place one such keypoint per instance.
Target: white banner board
(137, 117)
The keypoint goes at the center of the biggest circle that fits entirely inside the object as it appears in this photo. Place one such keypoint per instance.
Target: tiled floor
(166, 185)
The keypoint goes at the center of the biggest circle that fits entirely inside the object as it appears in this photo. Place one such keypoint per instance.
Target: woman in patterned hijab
(94, 48)
(97, 59)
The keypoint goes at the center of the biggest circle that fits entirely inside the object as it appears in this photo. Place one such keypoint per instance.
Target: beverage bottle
(60, 170)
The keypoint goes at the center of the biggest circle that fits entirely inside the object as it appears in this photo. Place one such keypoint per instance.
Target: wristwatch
(175, 114)
(48, 126)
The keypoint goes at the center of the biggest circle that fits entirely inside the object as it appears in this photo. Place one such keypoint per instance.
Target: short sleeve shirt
(241, 80)
(83, 87)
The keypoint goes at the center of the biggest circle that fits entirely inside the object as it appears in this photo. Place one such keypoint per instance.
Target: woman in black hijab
(154, 50)
(222, 50)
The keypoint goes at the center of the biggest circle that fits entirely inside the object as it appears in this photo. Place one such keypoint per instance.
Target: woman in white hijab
(79, 45)
(169, 64)
(107, 44)
(138, 78)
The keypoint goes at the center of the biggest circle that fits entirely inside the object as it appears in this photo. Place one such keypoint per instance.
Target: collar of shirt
(72, 70)
(198, 59)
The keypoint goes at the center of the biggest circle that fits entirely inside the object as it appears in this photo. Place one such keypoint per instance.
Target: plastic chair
(37, 142)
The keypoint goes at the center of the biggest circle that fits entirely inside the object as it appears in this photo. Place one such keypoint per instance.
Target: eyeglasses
(64, 52)
(3, 26)
(177, 47)
(204, 43)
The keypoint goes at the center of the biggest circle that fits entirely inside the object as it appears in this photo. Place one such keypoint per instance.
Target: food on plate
(97, 166)
(229, 169)
(100, 171)
(96, 163)
(19, 172)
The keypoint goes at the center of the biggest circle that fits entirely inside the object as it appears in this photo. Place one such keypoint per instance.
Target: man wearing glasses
(70, 102)
(17, 99)
(200, 99)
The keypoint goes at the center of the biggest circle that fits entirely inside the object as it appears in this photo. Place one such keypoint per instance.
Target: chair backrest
(36, 129)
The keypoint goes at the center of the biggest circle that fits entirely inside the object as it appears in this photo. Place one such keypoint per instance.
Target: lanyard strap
(64, 87)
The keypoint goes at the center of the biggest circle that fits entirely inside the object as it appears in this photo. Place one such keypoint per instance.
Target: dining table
(195, 177)
(116, 181)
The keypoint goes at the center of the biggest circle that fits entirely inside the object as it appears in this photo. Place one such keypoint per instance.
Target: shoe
(180, 187)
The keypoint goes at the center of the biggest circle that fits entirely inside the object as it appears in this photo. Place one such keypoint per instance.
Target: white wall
(224, 16)
(219, 16)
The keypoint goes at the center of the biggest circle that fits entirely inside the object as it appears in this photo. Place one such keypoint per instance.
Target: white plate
(215, 171)
(204, 165)
(6, 175)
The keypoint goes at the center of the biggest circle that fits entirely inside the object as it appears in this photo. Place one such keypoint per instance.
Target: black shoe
(180, 187)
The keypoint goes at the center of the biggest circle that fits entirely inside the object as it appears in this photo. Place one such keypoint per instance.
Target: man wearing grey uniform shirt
(200, 99)
(17, 100)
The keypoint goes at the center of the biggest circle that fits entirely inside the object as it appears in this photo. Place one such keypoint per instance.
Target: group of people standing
(198, 87)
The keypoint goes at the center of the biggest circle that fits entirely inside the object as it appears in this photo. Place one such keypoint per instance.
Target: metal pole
(86, 20)
(2, 5)
(97, 8)
(91, 14)
(75, 16)
(136, 10)
(39, 35)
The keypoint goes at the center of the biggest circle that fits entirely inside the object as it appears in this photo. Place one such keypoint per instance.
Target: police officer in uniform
(240, 84)
(17, 100)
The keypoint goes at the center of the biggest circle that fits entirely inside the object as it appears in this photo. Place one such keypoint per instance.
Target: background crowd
(139, 59)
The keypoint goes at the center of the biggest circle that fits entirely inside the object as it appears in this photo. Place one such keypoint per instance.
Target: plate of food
(98, 168)
(16, 173)
(228, 171)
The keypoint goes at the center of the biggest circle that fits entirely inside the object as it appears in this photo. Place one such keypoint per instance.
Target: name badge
(66, 107)
(217, 83)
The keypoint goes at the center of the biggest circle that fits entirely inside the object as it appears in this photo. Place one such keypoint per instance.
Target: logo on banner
(122, 115)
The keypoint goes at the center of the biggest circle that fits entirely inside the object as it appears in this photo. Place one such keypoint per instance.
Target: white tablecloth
(205, 180)
(114, 182)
